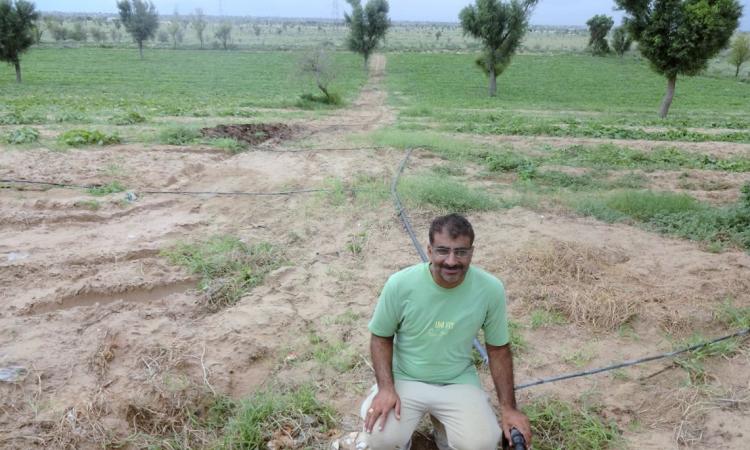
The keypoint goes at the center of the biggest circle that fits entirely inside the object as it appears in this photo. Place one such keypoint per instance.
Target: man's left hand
(513, 418)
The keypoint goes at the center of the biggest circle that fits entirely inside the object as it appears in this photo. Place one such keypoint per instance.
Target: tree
(367, 26)
(500, 26)
(140, 20)
(175, 30)
(679, 37)
(621, 41)
(199, 24)
(224, 34)
(319, 65)
(17, 22)
(740, 52)
(599, 27)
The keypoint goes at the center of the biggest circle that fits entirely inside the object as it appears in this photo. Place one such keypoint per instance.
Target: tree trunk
(17, 65)
(493, 80)
(367, 59)
(140, 48)
(667, 102)
(737, 72)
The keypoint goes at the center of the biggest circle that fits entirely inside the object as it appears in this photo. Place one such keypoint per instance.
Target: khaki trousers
(465, 417)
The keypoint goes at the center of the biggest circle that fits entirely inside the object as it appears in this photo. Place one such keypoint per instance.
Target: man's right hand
(382, 404)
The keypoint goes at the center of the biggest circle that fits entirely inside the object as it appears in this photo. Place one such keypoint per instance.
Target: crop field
(191, 247)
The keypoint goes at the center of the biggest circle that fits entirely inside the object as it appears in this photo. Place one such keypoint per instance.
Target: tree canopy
(199, 24)
(500, 26)
(599, 27)
(621, 41)
(17, 24)
(679, 37)
(367, 26)
(140, 20)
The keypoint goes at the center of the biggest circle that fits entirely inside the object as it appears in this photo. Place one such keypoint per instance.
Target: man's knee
(386, 441)
(486, 441)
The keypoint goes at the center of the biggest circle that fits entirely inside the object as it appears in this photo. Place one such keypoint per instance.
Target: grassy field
(77, 84)
(565, 95)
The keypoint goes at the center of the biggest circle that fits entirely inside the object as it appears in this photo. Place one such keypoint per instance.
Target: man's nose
(451, 260)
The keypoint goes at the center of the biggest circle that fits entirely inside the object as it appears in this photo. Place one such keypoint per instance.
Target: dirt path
(97, 315)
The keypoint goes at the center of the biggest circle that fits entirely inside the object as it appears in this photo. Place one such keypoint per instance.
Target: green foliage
(739, 53)
(356, 243)
(696, 29)
(445, 194)
(86, 137)
(259, 417)
(127, 118)
(675, 214)
(693, 361)
(734, 317)
(17, 22)
(231, 145)
(179, 136)
(560, 425)
(91, 205)
(319, 66)
(501, 27)
(541, 318)
(228, 267)
(338, 354)
(621, 41)
(367, 26)
(24, 135)
(599, 27)
(140, 19)
(106, 189)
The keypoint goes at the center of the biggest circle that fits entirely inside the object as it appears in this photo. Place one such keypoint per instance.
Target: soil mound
(252, 133)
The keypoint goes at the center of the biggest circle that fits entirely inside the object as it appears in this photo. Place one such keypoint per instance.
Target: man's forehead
(443, 238)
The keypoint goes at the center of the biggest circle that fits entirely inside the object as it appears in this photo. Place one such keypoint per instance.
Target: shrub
(128, 118)
(23, 135)
(106, 189)
(179, 136)
(86, 137)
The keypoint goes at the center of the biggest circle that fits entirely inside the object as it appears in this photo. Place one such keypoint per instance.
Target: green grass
(257, 418)
(541, 319)
(179, 135)
(106, 189)
(227, 267)
(444, 194)
(676, 214)
(60, 82)
(337, 354)
(693, 362)
(565, 95)
(558, 425)
(734, 317)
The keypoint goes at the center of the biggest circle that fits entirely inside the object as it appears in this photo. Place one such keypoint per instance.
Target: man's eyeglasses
(460, 253)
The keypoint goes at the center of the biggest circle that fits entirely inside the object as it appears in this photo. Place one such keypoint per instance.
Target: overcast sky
(548, 12)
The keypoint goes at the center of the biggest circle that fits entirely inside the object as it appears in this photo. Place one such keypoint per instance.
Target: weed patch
(23, 135)
(557, 425)
(735, 317)
(85, 137)
(233, 146)
(693, 362)
(676, 214)
(227, 266)
(291, 419)
(106, 189)
(445, 195)
(179, 136)
(127, 118)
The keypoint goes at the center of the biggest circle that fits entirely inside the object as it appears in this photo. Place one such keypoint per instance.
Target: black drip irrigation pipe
(407, 225)
(83, 186)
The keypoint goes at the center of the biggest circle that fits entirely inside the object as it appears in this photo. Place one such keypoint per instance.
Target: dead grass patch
(104, 354)
(570, 279)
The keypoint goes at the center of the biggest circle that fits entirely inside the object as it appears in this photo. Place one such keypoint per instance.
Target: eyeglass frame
(467, 251)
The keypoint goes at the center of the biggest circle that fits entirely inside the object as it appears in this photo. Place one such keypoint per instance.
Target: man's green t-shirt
(435, 326)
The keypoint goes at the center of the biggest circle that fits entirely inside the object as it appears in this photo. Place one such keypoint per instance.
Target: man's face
(449, 259)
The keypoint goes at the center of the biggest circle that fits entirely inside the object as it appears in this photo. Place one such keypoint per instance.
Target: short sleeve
(385, 319)
(496, 323)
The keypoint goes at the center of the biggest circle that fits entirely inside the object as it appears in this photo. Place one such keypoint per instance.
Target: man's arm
(501, 368)
(381, 352)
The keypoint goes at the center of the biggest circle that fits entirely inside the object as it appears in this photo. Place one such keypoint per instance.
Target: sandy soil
(90, 306)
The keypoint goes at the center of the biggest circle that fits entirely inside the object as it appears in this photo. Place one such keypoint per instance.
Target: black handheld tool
(517, 441)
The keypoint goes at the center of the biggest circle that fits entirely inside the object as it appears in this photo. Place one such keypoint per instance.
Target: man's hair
(454, 224)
